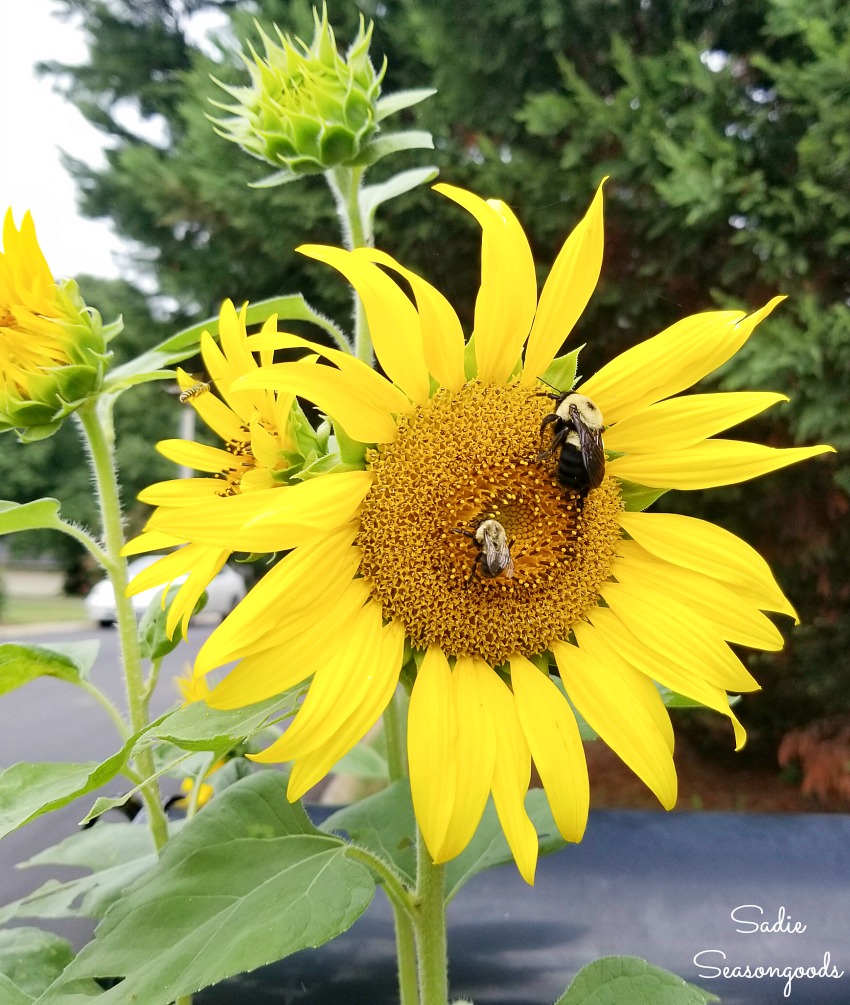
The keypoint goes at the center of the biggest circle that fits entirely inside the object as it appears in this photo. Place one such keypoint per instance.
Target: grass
(27, 610)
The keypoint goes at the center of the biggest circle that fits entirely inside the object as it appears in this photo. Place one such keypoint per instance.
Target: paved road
(49, 720)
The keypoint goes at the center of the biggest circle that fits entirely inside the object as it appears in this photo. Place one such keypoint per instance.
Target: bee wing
(592, 454)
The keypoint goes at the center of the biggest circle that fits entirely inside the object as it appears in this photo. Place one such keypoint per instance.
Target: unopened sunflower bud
(53, 351)
(308, 109)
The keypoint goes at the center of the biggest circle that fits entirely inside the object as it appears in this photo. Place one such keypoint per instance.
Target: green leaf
(488, 847)
(199, 727)
(613, 980)
(294, 308)
(117, 854)
(372, 196)
(34, 515)
(384, 824)
(11, 994)
(70, 661)
(29, 790)
(247, 881)
(390, 143)
(30, 960)
(561, 372)
(105, 803)
(389, 104)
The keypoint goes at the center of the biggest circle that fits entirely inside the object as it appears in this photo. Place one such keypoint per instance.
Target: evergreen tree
(722, 125)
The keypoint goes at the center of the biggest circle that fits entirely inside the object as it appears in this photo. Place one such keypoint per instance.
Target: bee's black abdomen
(572, 473)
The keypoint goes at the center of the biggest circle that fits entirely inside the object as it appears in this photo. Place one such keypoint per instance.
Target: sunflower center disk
(467, 457)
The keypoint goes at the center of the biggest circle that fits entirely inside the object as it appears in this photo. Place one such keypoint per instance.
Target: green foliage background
(723, 127)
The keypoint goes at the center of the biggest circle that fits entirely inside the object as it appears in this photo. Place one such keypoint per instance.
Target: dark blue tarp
(671, 888)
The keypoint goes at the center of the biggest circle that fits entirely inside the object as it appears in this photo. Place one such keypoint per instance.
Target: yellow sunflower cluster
(601, 604)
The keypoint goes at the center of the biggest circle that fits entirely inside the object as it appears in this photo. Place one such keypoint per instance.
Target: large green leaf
(488, 847)
(70, 661)
(246, 882)
(614, 980)
(30, 960)
(384, 824)
(29, 790)
(34, 515)
(199, 727)
(11, 994)
(117, 854)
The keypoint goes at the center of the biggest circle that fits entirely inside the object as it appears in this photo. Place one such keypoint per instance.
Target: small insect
(578, 433)
(494, 558)
(195, 391)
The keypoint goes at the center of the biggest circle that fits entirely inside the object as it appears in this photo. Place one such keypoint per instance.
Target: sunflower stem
(430, 927)
(405, 951)
(394, 736)
(95, 418)
(344, 183)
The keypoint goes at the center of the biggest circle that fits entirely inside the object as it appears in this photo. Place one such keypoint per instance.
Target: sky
(35, 123)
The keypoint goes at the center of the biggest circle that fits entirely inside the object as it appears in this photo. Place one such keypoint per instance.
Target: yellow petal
(709, 549)
(338, 687)
(311, 768)
(195, 455)
(682, 680)
(221, 419)
(733, 616)
(678, 633)
(442, 335)
(708, 464)
(334, 393)
(394, 325)
(286, 600)
(150, 542)
(263, 674)
(371, 386)
(622, 706)
(552, 734)
(189, 492)
(476, 754)
(668, 363)
(511, 776)
(269, 520)
(507, 298)
(205, 567)
(567, 291)
(432, 748)
(682, 422)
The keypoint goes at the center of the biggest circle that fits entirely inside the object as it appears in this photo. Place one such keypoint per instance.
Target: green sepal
(390, 143)
(561, 372)
(637, 498)
(68, 661)
(247, 881)
(154, 641)
(373, 196)
(613, 980)
(389, 104)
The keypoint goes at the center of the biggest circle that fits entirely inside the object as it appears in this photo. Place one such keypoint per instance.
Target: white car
(223, 593)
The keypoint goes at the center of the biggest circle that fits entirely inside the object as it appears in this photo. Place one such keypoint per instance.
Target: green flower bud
(53, 351)
(308, 109)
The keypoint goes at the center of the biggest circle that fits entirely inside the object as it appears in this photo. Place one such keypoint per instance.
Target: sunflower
(265, 439)
(598, 603)
(52, 346)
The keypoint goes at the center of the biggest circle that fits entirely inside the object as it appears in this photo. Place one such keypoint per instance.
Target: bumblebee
(195, 391)
(494, 558)
(578, 433)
